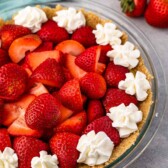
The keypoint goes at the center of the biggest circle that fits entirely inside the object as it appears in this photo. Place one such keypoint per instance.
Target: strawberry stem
(127, 5)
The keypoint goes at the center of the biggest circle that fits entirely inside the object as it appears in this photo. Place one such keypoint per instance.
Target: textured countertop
(156, 154)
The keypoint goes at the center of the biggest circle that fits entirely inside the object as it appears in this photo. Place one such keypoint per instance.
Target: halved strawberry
(103, 56)
(75, 71)
(75, 124)
(38, 89)
(9, 33)
(104, 124)
(34, 59)
(67, 74)
(88, 60)
(27, 68)
(49, 73)
(13, 81)
(45, 46)
(70, 47)
(4, 58)
(20, 46)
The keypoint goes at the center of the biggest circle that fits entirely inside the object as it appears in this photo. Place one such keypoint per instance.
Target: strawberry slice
(75, 71)
(70, 47)
(49, 73)
(38, 89)
(75, 124)
(34, 59)
(70, 95)
(4, 58)
(20, 46)
(88, 60)
(45, 46)
(13, 81)
(9, 33)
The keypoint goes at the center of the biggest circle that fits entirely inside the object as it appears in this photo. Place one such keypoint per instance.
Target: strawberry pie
(74, 91)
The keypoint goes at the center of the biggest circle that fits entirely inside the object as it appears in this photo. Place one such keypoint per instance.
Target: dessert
(74, 92)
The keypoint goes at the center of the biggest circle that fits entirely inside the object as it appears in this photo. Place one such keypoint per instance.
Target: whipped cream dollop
(125, 55)
(107, 34)
(94, 148)
(70, 19)
(31, 17)
(135, 85)
(8, 158)
(44, 161)
(125, 118)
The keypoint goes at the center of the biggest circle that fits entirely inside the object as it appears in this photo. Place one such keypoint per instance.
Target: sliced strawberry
(115, 97)
(70, 95)
(4, 139)
(103, 56)
(12, 111)
(84, 36)
(13, 81)
(75, 71)
(50, 31)
(34, 59)
(75, 124)
(38, 89)
(114, 74)
(43, 112)
(27, 68)
(93, 85)
(26, 148)
(4, 58)
(9, 33)
(45, 46)
(20, 46)
(94, 110)
(64, 146)
(70, 47)
(88, 60)
(1, 110)
(104, 124)
(67, 74)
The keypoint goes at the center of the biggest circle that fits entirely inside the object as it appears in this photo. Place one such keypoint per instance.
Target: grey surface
(156, 154)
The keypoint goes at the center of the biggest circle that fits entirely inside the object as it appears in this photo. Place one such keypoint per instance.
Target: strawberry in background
(133, 8)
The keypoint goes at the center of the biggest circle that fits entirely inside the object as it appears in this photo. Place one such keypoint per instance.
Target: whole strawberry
(133, 8)
(157, 13)
(4, 139)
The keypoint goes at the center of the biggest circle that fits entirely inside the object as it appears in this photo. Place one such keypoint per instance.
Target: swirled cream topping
(125, 118)
(44, 161)
(8, 158)
(94, 148)
(107, 34)
(135, 85)
(125, 55)
(31, 17)
(70, 19)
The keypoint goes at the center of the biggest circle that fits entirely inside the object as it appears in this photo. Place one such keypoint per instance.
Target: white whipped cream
(125, 118)
(135, 85)
(125, 55)
(107, 34)
(44, 161)
(8, 158)
(94, 148)
(70, 19)
(31, 17)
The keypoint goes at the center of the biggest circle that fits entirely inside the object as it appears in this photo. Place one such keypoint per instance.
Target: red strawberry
(94, 110)
(103, 56)
(4, 58)
(1, 110)
(70, 95)
(67, 74)
(133, 8)
(84, 36)
(115, 97)
(8, 33)
(49, 73)
(93, 85)
(20, 46)
(26, 148)
(13, 81)
(104, 124)
(70, 47)
(114, 74)
(4, 139)
(75, 124)
(88, 60)
(157, 13)
(50, 31)
(43, 112)
(45, 46)
(27, 68)
(64, 146)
